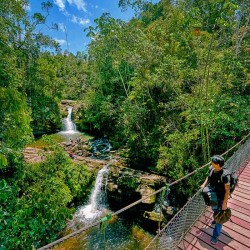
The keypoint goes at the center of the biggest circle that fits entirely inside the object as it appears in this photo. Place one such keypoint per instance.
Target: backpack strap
(210, 174)
(211, 169)
(225, 173)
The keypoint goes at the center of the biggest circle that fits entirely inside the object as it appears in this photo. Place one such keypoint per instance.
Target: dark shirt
(218, 181)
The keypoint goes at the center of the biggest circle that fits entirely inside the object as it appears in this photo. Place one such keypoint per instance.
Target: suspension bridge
(191, 227)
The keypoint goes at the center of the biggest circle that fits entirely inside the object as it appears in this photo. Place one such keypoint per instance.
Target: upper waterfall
(69, 126)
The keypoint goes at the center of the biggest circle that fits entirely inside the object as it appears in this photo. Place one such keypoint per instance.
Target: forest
(170, 87)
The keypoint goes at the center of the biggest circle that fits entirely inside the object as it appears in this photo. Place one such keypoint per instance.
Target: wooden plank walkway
(235, 234)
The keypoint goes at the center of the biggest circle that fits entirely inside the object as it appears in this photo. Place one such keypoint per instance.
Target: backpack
(233, 178)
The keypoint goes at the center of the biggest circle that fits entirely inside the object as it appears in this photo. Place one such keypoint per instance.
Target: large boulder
(127, 182)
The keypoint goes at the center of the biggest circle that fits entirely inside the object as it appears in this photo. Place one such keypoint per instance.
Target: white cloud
(60, 41)
(93, 6)
(79, 20)
(80, 4)
(73, 18)
(62, 27)
(60, 4)
(27, 7)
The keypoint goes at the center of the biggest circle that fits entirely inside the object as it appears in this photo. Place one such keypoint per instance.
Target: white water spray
(68, 125)
(96, 205)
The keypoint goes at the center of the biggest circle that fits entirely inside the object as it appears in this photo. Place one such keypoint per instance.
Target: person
(221, 185)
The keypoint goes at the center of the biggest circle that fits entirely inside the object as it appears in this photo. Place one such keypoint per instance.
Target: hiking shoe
(214, 240)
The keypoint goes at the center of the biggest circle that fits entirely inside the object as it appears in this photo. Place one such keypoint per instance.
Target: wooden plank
(244, 178)
(233, 226)
(246, 170)
(241, 216)
(227, 239)
(237, 236)
(246, 173)
(240, 222)
(203, 239)
(238, 193)
(239, 209)
(241, 185)
(247, 165)
(238, 198)
(237, 228)
(206, 237)
(244, 183)
(242, 190)
(205, 219)
(185, 245)
(239, 203)
(199, 243)
(209, 215)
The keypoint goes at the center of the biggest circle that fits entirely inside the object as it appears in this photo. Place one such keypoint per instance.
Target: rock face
(78, 147)
(74, 104)
(126, 186)
(32, 155)
(126, 183)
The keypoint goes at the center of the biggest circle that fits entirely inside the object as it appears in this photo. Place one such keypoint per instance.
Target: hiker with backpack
(217, 188)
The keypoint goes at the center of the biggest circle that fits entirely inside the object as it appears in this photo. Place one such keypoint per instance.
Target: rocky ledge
(123, 180)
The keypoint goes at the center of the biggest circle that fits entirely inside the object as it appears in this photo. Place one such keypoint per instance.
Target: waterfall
(68, 126)
(97, 201)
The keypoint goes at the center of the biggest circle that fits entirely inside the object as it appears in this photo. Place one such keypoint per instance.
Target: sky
(73, 16)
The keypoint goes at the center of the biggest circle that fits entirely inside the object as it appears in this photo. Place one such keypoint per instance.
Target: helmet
(218, 160)
(222, 216)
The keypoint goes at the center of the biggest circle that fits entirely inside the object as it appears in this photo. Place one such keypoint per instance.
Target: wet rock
(111, 186)
(153, 216)
(146, 191)
(132, 183)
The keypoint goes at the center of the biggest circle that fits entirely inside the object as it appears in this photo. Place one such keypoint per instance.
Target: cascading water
(97, 202)
(68, 126)
(120, 234)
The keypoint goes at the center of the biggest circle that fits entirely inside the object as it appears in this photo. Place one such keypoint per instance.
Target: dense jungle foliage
(171, 87)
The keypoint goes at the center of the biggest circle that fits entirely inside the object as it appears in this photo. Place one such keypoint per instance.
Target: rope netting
(95, 235)
(170, 236)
